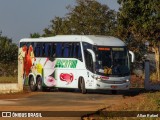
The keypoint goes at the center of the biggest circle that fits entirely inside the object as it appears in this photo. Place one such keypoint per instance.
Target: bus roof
(92, 39)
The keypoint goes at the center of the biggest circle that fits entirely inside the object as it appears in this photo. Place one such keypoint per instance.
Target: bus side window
(87, 46)
(66, 50)
(78, 51)
(59, 50)
(47, 50)
(22, 44)
(71, 49)
(53, 50)
(41, 49)
(37, 51)
(74, 50)
(32, 43)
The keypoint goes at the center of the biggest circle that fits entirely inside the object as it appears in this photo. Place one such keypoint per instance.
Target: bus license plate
(113, 86)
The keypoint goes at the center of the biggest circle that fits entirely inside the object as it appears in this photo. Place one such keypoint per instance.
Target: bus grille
(114, 82)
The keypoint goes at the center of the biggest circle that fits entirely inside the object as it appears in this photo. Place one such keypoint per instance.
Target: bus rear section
(50, 64)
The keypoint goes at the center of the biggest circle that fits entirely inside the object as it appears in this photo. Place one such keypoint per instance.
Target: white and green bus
(75, 61)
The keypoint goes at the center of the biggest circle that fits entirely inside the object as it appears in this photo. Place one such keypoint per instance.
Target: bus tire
(39, 84)
(114, 92)
(83, 89)
(32, 84)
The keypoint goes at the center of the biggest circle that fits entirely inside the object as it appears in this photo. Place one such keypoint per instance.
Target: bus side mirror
(132, 56)
(93, 54)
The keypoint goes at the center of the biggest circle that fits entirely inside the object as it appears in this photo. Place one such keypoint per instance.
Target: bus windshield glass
(112, 61)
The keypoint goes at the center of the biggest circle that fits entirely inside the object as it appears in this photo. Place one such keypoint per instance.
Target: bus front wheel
(82, 85)
(32, 84)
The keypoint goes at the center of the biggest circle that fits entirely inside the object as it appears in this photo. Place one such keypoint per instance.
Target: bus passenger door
(89, 61)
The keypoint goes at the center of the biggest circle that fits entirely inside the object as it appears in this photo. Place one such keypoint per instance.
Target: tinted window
(66, 50)
(88, 60)
(58, 49)
(77, 51)
(87, 46)
(22, 44)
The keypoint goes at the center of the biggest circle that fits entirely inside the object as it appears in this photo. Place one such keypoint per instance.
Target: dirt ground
(17, 95)
(105, 100)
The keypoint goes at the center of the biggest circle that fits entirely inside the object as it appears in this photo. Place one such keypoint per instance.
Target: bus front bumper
(106, 86)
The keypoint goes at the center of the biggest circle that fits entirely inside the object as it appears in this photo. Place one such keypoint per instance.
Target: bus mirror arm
(132, 55)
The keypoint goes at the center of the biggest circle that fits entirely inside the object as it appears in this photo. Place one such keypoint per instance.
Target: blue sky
(19, 18)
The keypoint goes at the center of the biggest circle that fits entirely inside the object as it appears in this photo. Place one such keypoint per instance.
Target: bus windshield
(112, 61)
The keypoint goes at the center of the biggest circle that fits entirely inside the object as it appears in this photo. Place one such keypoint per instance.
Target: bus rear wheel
(39, 84)
(32, 84)
(82, 86)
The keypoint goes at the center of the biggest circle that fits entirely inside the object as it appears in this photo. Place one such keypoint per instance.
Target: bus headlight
(98, 78)
(127, 80)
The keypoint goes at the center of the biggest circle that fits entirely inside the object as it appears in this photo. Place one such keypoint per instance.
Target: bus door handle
(88, 74)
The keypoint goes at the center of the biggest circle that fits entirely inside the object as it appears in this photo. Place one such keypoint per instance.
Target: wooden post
(147, 75)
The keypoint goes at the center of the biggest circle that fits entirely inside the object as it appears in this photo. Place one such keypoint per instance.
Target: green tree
(88, 17)
(35, 35)
(138, 22)
(58, 26)
(9, 54)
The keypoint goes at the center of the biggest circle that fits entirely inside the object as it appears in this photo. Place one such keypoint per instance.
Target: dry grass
(144, 102)
(8, 79)
(154, 77)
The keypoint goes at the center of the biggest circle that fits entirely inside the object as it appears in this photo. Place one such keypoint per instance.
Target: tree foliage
(139, 20)
(35, 35)
(86, 18)
(8, 50)
(9, 56)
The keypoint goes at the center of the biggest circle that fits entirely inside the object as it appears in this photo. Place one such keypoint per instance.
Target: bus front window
(112, 61)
